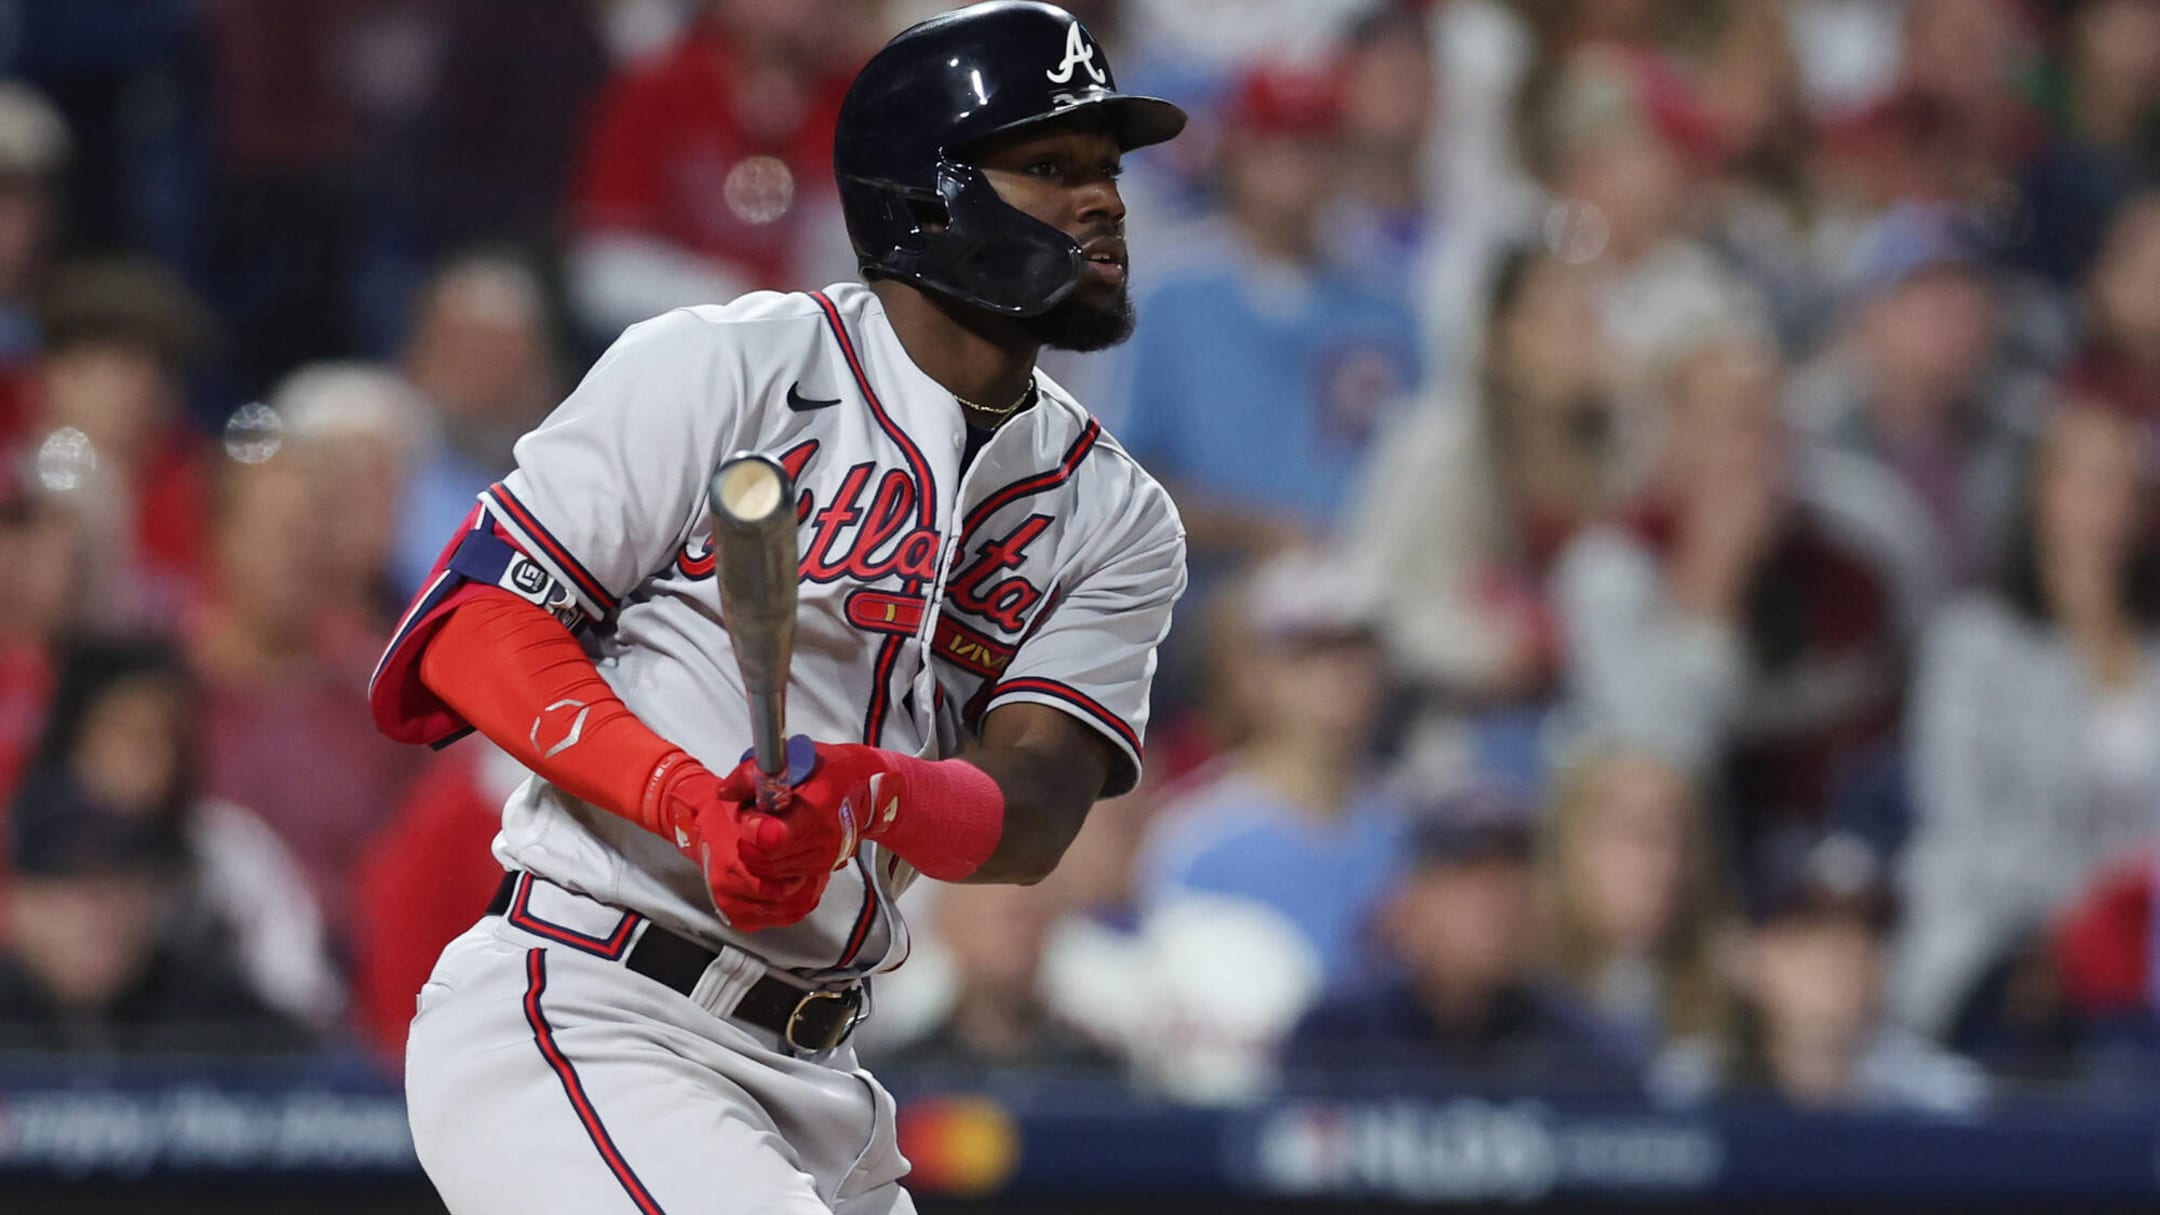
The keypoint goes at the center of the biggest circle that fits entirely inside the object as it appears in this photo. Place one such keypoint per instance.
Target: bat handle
(796, 756)
(771, 792)
(769, 746)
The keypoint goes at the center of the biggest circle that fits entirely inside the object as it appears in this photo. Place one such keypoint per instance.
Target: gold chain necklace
(999, 414)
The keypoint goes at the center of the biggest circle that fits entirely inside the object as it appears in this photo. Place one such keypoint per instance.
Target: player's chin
(1096, 316)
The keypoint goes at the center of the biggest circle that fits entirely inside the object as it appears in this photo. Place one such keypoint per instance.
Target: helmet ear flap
(895, 208)
(907, 219)
(963, 241)
(994, 255)
(929, 215)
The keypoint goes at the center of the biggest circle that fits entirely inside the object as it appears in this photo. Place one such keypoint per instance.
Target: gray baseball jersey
(1044, 572)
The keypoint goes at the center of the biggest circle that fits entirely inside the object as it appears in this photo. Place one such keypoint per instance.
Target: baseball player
(654, 1014)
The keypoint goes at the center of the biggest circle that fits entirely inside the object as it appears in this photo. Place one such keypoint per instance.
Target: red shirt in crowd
(172, 525)
(684, 149)
(425, 879)
(304, 756)
(26, 688)
(2106, 376)
(1910, 145)
(2102, 943)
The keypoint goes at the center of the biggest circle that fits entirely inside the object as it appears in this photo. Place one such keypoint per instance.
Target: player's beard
(1081, 324)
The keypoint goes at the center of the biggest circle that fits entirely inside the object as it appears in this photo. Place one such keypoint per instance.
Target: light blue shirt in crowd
(440, 490)
(1234, 836)
(1261, 383)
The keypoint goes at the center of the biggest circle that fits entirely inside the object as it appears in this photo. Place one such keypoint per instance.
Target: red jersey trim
(1088, 705)
(1036, 484)
(518, 516)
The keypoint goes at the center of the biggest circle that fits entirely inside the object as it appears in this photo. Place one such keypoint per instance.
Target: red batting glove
(821, 815)
(687, 803)
(945, 817)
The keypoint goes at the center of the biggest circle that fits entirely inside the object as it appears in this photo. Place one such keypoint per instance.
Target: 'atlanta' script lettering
(866, 542)
(1005, 601)
(867, 532)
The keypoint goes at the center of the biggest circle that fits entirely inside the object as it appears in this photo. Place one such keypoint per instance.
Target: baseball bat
(753, 508)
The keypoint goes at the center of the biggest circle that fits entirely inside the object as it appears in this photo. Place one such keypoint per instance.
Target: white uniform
(1045, 573)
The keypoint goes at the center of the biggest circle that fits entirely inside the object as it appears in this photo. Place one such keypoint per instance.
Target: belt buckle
(795, 1019)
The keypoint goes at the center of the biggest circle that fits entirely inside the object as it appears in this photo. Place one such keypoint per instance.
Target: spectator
(2101, 95)
(1562, 26)
(40, 547)
(1736, 618)
(2035, 748)
(1629, 152)
(1383, 224)
(1813, 971)
(1849, 53)
(119, 339)
(425, 878)
(1200, 999)
(1263, 370)
(2100, 946)
(1461, 999)
(707, 169)
(282, 734)
(1952, 126)
(1637, 910)
(1485, 197)
(1771, 221)
(90, 966)
(117, 770)
(1913, 384)
(1193, 995)
(989, 943)
(1087, 957)
(481, 357)
(284, 200)
(1469, 501)
(359, 429)
(1296, 817)
(2120, 361)
(34, 145)
(1219, 35)
(495, 155)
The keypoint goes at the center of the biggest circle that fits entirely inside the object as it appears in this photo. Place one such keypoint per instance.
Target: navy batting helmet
(916, 209)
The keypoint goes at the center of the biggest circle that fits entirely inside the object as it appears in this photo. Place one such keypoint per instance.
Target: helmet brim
(1134, 121)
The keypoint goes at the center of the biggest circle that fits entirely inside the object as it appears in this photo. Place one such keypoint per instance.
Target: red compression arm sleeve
(501, 663)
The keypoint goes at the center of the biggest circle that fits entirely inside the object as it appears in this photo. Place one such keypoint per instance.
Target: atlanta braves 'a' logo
(1079, 53)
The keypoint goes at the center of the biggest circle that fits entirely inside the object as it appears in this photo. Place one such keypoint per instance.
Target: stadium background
(1669, 709)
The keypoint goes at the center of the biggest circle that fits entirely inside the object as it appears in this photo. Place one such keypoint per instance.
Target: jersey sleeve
(606, 489)
(1093, 653)
(603, 493)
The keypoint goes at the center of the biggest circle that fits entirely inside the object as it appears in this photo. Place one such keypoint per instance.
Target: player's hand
(829, 808)
(710, 829)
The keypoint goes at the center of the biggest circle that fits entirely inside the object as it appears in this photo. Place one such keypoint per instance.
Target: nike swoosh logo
(802, 404)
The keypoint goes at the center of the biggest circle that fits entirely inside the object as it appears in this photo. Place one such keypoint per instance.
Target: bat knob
(750, 488)
(801, 758)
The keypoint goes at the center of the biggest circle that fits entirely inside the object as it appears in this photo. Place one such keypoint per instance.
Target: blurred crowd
(1670, 483)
